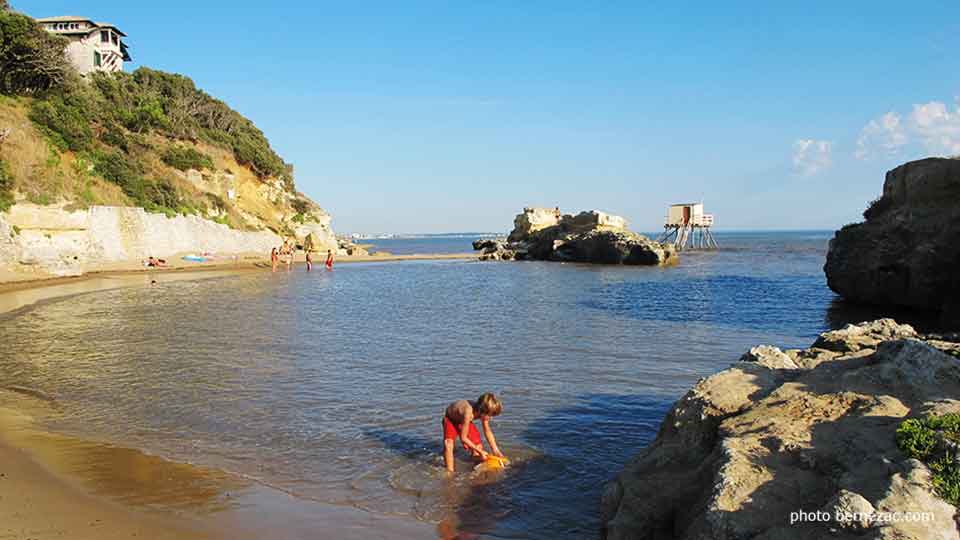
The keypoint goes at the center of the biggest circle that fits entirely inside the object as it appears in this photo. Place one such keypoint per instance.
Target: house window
(104, 36)
(97, 60)
(115, 40)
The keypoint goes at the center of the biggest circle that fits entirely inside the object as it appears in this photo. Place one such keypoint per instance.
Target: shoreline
(54, 485)
(10, 283)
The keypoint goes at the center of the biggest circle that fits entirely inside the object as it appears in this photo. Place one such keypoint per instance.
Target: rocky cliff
(797, 444)
(907, 251)
(591, 237)
(45, 241)
(117, 167)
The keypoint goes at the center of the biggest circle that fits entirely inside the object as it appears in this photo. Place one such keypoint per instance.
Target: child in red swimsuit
(458, 423)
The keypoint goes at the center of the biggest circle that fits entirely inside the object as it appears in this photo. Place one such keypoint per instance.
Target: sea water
(330, 386)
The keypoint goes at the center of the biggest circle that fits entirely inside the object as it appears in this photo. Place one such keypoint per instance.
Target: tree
(31, 59)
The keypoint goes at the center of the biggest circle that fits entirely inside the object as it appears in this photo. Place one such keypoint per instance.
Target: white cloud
(811, 156)
(882, 135)
(937, 127)
(933, 125)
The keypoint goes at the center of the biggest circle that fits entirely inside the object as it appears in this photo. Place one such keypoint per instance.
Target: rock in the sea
(588, 237)
(906, 253)
(757, 450)
(611, 247)
(532, 220)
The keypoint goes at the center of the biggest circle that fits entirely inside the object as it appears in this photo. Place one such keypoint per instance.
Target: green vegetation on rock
(935, 440)
(6, 187)
(31, 59)
(128, 129)
(183, 158)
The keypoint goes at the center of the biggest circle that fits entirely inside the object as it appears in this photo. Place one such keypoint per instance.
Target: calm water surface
(331, 385)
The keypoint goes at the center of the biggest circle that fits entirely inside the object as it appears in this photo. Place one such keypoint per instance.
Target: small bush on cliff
(934, 440)
(877, 207)
(65, 121)
(183, 158)
(6, 187)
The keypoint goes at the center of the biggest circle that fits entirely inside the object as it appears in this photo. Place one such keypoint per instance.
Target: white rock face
(46, 240)
(323, 237)
(533, 220)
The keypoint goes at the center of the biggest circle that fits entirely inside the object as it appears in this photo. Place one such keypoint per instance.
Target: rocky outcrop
(532, 220)
(44, 241)
(906, 253)
(588, 237)
(784, 432)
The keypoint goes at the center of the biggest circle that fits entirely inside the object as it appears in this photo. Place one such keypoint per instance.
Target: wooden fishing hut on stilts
(687, 224)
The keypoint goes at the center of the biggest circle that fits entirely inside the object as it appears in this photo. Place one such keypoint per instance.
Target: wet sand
(58, 486)
(10, 281)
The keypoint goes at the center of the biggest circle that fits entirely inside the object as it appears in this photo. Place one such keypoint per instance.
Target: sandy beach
(57, 486)
(132, 272)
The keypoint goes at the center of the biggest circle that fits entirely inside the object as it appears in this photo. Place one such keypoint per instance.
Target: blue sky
(452, 116)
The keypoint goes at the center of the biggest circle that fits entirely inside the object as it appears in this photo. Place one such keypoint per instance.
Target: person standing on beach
(458, 423)
(274, 259)
(309, 260)
(329, 263)
(286, 250)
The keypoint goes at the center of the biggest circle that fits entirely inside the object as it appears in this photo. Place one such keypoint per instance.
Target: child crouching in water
(458, 422)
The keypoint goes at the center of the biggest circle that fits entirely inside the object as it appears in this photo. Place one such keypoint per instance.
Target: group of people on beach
(285, 254)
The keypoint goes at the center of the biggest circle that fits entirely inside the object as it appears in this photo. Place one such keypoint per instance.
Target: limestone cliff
(70, 167)
(907, 252)
(782, 432)
(44, 241)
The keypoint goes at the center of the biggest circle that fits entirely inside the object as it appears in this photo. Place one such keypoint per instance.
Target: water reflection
(329, 385)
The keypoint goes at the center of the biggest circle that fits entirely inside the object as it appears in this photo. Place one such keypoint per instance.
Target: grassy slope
(45, 175)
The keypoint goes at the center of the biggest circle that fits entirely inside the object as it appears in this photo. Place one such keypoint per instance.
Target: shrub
(64, 122)
(6, 187)
(171, 104)
(301, 206)
(217, 202)
(183, 158)
(921, 439)
(877, 207)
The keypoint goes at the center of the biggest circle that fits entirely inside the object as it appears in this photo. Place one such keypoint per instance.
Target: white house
(688, 214)
(93, 46)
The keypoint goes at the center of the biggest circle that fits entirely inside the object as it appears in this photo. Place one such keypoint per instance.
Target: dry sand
(54, 486)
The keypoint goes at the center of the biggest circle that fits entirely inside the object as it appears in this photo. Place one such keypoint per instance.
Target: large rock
(321, 236)
(906, 253)
(532, 220)
(751, 446)
(610, 247)
(588, 237)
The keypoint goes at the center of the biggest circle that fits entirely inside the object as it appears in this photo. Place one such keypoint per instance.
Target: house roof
(63, 18)
(73, 18)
